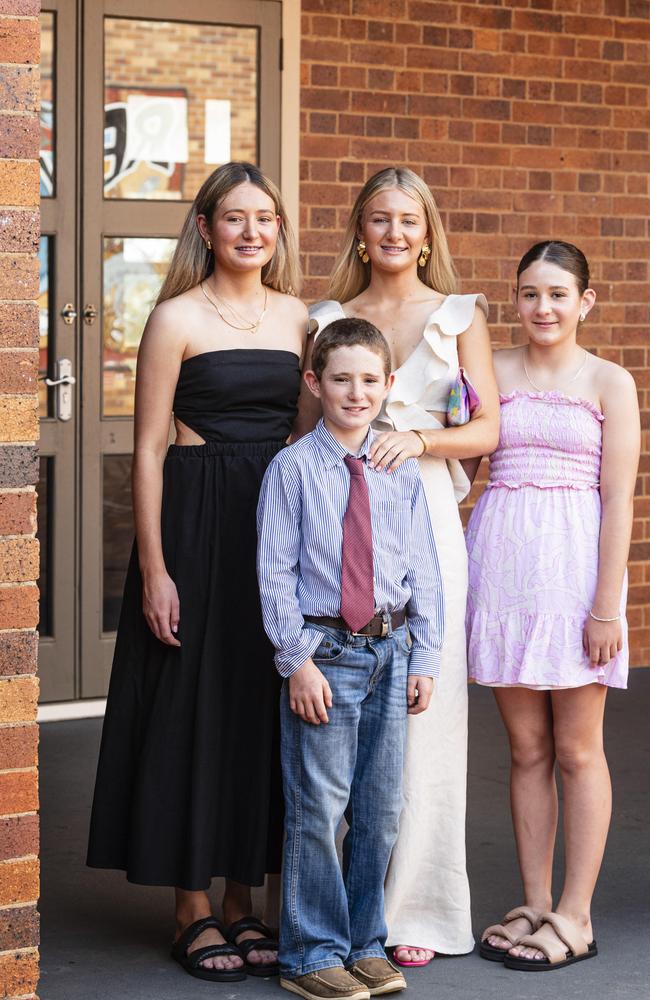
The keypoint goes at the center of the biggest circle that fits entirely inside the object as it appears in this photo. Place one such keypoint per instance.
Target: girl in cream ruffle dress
(427, 891)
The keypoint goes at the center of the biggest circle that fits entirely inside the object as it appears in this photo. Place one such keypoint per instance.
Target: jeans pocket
(403, 639)
(329, 650)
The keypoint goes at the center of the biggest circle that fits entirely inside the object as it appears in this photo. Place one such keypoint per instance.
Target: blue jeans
(352, 767)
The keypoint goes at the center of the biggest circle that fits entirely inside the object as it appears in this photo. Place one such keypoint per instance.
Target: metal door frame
(131, 217)
(58, 439)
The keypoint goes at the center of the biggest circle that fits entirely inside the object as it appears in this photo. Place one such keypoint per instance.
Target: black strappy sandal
(192, 962)
(265, 943)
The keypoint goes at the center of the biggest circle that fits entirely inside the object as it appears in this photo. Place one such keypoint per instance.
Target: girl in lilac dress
(548, 543)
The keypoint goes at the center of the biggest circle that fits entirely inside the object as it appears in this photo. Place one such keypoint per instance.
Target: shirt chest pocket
(391, 527)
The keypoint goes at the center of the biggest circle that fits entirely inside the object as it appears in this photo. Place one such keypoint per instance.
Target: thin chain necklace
(250, 327)
(572, 379)
(240, 316)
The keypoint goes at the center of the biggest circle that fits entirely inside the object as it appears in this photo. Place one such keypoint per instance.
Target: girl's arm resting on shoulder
(474, 439)
(480, 435)
(619, 464)
(159, 360)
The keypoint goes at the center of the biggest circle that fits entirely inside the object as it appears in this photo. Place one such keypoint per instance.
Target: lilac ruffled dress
(533, 549)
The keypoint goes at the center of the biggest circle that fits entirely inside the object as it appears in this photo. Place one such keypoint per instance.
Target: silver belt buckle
(385, 624)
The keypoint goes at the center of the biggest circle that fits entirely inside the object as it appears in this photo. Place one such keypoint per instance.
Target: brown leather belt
(377, 626)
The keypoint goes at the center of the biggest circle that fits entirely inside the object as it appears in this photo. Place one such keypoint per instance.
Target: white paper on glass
(217, 131)
(156, 129)
(148, 250)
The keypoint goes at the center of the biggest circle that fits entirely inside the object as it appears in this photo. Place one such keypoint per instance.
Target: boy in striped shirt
(346, 558)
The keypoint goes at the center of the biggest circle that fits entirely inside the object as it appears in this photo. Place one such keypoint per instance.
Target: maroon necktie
(357, 580)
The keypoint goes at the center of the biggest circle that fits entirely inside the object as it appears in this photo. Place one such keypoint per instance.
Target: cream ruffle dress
(427, 892)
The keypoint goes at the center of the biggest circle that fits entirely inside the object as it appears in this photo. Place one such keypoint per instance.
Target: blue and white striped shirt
(303, 500)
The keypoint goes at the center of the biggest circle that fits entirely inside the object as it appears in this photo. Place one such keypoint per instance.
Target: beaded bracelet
(423, 440)
(597, 619)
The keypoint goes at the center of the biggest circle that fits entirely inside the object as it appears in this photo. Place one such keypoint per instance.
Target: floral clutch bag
(463, 400)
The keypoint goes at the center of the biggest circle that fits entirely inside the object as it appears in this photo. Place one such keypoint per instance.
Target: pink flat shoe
(411, 947)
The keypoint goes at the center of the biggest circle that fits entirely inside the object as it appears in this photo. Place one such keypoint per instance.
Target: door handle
(69, 314)
(89, 313)
(63, 383)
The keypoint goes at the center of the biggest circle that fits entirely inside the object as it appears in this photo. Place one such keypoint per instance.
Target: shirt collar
(333, 451)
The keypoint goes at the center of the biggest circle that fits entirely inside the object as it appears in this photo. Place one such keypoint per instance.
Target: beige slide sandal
(490, 951)
(553, 926)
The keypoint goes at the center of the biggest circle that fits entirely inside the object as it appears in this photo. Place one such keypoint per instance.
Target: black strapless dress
(188, 782)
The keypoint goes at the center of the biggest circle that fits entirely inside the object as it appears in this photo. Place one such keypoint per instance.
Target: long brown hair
(351, 276)
(193, 262)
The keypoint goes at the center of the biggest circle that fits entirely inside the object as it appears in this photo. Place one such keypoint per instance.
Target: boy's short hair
(351, 331)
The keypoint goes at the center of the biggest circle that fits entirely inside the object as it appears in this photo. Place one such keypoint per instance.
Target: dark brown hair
(349, 332)
(565, 255)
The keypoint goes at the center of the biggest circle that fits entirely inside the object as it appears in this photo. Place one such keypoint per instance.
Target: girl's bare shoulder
(186, 304)
(507, 359)
(171, 323)
(610, 378)
(289, 308)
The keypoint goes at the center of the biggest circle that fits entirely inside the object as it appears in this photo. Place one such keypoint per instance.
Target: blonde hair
(351, 276)
(193, 262)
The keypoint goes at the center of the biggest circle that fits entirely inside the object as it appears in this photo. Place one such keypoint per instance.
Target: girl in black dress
(188, 784)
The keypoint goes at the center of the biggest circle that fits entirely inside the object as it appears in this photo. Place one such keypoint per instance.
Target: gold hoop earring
(424, 255)
(208, 244)
(361, 250)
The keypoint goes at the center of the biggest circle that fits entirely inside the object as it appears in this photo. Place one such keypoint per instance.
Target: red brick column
(528, 121)
(19, 231)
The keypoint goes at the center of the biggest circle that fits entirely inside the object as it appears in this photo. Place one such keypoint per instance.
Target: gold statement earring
(361, 250)
(424, 255)
(208, 244)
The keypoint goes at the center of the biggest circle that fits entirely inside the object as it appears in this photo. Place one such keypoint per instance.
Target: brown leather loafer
(378, 975)
(327, 984)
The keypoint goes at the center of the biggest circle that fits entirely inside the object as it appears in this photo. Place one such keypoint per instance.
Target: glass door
(58, 353)
(170, 92)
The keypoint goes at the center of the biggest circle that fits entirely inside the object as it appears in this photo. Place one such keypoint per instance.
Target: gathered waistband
(220, 448)
(551, 484)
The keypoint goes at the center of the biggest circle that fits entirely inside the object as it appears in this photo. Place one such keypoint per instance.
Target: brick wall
(19, 229)
(527, 122)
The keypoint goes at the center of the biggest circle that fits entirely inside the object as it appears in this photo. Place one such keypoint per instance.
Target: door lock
(64, 381)
(90, 313)
(69, 314)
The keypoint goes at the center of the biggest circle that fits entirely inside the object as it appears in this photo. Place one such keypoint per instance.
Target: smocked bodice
(546, 440)
(239, 395)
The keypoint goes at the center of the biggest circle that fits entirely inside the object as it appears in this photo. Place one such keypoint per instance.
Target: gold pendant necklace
(572, 379)
(250, 327)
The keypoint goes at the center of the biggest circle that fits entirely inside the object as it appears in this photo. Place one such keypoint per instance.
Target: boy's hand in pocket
(309, 693)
